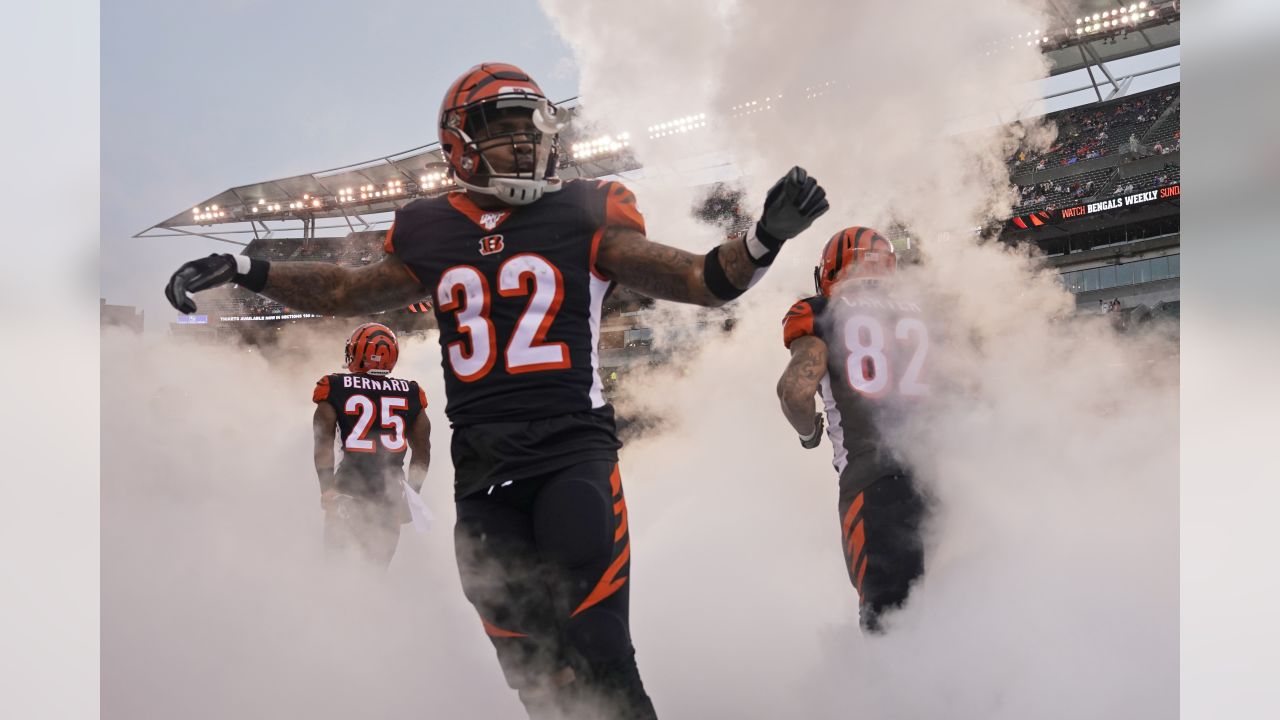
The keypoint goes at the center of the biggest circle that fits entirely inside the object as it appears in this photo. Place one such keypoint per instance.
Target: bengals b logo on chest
(490, 244)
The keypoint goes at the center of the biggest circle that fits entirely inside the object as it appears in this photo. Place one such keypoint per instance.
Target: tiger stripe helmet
(855, 252)
(372, 348)
(471, 103)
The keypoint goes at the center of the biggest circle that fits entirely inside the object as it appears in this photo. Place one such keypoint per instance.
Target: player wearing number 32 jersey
(864, 349)
(519, 262)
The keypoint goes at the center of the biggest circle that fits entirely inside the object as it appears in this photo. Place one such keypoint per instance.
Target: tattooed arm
(328, 289)
(315, 287)
(799, 382)
(661, 271)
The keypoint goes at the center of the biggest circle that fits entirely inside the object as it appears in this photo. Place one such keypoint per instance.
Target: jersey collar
(488, 220)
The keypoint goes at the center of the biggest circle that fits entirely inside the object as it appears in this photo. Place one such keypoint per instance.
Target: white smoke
(1051, 447)
(1051, 572)
(217, 600)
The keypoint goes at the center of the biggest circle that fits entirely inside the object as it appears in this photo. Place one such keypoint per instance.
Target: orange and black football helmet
(483, 94)
(372, 348)
(855, 252)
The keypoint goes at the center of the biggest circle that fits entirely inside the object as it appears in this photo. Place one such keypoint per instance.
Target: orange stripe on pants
(494, 631)
(852, 512)
(856, 540)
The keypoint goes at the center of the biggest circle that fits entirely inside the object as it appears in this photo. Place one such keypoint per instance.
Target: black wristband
(717, 282)
(256, 278)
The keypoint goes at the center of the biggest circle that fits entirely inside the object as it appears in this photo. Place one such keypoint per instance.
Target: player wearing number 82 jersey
(863, 347)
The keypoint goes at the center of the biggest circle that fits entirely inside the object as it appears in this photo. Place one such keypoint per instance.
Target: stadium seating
(1104, 129)
(1061, 191)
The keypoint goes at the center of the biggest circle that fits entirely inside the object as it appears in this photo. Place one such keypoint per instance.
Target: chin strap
(513, 191)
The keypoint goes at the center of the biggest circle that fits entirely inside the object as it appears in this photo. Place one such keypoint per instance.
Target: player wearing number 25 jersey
(519, 262)
(378, 419)
(864, 349)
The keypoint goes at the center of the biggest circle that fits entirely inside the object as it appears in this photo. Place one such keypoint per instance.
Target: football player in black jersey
(377, 418)
(864, 348)
(519, 262)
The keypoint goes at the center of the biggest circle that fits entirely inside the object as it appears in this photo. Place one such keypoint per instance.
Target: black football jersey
(517, 297)
(877, 370)
(375, 414)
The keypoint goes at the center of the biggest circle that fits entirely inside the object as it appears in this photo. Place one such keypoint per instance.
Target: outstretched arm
(628, 257)
(799, 383)
(661, 271)
(315, 287)
(328, 289)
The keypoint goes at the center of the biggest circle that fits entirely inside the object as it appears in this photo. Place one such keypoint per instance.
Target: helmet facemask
(483, 129)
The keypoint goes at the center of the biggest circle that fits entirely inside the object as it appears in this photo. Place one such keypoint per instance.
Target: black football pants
(883, 548)
(546, 561)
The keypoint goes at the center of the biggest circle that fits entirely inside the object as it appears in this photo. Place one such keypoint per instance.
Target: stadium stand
(1098, 130)
(1073, 189)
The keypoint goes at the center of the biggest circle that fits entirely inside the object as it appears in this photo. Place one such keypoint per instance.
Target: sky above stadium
(196, 99)
(199, 98)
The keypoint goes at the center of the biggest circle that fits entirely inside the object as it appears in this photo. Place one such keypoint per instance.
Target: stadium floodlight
(1078, 21)
(680, 125)
(1142, 5)
(1151, 14)
(606, 144)
(1096, 17)
(1133, 7)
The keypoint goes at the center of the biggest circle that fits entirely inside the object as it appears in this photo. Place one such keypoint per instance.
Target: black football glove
(199, 275)
(809, 442)
(791, 206)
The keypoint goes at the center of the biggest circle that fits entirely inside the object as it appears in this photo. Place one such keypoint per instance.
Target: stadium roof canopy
(1101, 31)
(345, 195)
